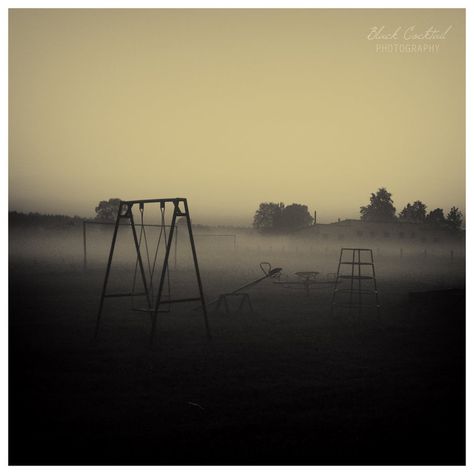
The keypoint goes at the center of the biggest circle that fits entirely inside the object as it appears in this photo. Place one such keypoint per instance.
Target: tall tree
(273, 217)
(415, 212)
(436, 217)
(454, 218)
(380, 208)
(295, 216)
(107, 210)
(267, 216)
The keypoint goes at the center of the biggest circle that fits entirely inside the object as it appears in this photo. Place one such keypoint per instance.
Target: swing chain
(151, 268)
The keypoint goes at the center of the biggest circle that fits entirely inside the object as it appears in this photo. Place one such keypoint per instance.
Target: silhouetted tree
(34, 219)
(454, 218)
(415, 212)
(436, 217)
(107, 210)
(380, 208)
(273, 217)
(267, 216)
(295, 216)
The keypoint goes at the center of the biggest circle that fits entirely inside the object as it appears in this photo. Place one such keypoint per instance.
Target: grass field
(286, 384)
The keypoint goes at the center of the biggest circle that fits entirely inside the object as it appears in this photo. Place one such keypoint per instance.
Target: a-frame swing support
(125, 212)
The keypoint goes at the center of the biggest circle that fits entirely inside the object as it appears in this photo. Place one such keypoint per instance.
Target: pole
(163, 274)
(196, 267)
(176, 249)
(139, 258)
(84, 243)
(107, 271)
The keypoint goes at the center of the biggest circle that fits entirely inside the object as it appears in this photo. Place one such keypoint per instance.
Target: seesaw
(223, 298)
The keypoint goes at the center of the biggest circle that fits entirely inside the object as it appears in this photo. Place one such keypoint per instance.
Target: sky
(231, 108)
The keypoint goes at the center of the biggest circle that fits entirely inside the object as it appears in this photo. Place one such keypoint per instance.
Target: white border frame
(231, 4)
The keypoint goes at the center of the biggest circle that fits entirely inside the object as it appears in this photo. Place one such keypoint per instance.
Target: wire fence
(85, 223)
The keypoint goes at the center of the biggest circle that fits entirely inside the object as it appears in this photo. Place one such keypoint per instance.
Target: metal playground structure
(154, 301)
(149, 268)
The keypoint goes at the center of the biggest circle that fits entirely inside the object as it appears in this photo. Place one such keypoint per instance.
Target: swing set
(156, 299)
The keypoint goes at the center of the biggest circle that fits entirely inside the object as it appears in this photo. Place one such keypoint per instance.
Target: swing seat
(150, 310)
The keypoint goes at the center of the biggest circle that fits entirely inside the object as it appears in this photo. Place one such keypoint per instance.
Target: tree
(413, 213)
(273, 217)
(107, 210)
(436, 217)
(295, 216)
(267, 216)
(454, 218)
(380, 208)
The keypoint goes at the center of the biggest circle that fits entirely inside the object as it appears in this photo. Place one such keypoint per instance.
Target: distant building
(353, 230)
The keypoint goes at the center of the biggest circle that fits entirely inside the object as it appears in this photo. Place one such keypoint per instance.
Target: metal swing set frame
(125, 212)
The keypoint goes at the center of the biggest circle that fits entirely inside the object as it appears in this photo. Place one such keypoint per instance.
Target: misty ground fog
(233, 255)
(288, 382)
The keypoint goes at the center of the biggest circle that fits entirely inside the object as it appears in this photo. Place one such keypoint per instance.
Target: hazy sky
(233, 107)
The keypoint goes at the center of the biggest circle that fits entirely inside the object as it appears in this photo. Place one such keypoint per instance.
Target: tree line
(35, 219)
(276, 217)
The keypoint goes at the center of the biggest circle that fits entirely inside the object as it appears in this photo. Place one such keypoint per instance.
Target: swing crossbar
(151, 201)
(123, 223)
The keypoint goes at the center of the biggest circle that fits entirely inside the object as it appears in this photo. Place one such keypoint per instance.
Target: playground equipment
(223, 298)
(154, 302)
(357, 259)
(308, 280)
